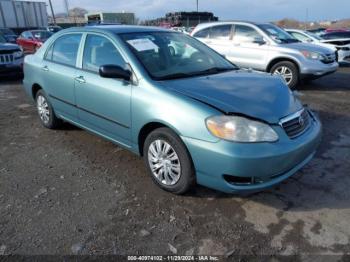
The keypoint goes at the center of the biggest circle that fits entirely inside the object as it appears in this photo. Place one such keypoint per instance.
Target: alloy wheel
(285, 72)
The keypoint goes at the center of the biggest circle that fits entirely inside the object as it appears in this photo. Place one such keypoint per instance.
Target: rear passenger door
(58, 71)
(247, 52)
(103, 103)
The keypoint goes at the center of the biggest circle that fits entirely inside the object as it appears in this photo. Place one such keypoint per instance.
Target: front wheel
(288, 71)
(168, 161)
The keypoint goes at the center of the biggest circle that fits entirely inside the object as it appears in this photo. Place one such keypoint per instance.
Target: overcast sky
(255, 10)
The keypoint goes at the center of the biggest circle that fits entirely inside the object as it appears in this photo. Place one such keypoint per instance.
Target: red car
(32, 40)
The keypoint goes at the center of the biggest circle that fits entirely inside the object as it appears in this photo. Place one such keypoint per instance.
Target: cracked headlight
(240, 129)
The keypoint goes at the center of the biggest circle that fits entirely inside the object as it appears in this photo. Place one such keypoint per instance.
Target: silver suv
(268, 48)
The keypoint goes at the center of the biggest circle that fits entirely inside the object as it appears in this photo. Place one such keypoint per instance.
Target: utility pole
(197, 6)
(67, 7)
(53, 13)
(307, 18)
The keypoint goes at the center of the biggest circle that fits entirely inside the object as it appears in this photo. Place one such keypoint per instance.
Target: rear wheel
(288, 71)
(45, 111)
(168, 161)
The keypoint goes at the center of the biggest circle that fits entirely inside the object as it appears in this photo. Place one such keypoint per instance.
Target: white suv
(268, 48)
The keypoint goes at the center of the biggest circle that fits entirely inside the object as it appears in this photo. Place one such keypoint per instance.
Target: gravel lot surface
(70, 192)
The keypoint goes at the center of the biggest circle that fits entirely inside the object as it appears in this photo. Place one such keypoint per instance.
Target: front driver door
(103, 103)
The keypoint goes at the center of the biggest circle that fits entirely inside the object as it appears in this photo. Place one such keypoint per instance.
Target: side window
(245, 34)
(65, 49)
(300, 37)
(100, 51)
(220, 32)
(25, 35)
(49, 53)
(202, 33)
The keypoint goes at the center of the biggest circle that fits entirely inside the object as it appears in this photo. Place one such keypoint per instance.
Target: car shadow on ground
(11, 79)
(339, 81)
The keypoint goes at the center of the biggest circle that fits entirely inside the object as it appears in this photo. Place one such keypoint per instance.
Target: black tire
(53, 122)
(186, 175)
(293, 69)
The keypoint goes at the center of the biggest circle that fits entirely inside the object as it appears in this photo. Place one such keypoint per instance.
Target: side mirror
(114, 71)
(309, 40)
(259, 40)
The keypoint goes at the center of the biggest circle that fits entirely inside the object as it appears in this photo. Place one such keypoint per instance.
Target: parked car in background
(193, 116)
(8, 34)
(11, 57)
(308, 37)
(336, 35)
(51, 28)
(342, 46)
(318, 31)
(335, 30)
(32, 40)
(268, 48)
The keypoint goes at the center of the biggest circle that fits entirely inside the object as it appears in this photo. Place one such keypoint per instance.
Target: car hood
(257, 95)
(308, 47)
(337, 42)
(11, 38)
(330, 46)
(8, 46)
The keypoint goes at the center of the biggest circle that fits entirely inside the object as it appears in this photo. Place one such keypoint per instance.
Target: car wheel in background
(168, 161)
(288, 71)
(45, 111)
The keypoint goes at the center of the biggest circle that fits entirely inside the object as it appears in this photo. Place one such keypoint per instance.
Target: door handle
(45, 68)
(80, 79)
(236, 44)
(208, 42)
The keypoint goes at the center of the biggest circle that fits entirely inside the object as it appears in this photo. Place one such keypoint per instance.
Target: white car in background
(342, 45)
(268, 48)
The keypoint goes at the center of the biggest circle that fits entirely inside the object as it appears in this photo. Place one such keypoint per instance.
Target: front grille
(329, 58)
(296, 124)
(6, 59)
(8, 51)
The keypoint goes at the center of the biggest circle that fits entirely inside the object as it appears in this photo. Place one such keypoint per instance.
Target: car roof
(293, 29)
(209, 24)
(118, 29)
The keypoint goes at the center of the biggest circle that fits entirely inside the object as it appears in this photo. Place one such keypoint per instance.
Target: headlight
(18, 54)
(312, 55)
(240, 129)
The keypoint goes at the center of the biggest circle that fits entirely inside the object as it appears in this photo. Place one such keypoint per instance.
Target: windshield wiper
(288, 40)
(174, 76)
(213, 70)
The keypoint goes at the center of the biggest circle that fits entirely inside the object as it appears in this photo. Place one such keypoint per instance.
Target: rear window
(202, 33)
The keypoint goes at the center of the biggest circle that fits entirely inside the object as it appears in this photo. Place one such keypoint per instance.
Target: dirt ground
(70, 192)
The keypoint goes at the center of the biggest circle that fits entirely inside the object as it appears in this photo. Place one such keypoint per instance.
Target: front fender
(184, 115)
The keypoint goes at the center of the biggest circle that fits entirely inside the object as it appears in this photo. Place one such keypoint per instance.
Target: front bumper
(317, 69)
(268, 163)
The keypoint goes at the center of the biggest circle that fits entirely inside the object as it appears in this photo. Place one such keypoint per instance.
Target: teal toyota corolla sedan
(193, 116)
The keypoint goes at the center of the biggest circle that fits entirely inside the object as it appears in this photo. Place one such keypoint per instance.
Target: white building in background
(22, 14)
